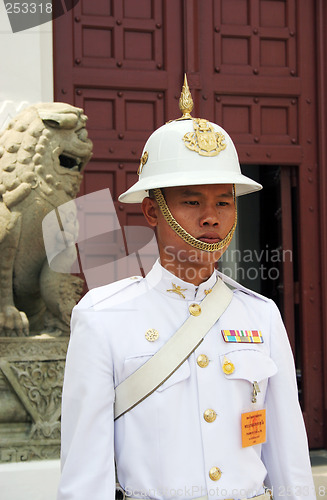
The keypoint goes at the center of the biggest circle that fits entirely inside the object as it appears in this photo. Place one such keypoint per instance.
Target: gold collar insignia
(178, 290)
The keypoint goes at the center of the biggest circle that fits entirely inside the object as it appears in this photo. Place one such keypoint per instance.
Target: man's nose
(209, 217)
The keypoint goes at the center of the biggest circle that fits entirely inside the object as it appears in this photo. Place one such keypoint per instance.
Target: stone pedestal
(31, 378)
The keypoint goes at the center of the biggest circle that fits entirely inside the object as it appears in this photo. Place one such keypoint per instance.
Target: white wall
(26, 77)
(26, 67)
(30, 480)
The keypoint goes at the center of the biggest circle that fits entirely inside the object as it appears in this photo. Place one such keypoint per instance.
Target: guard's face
(206, 212)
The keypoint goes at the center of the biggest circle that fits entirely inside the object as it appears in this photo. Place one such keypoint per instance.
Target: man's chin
(201, 257)
(191, 255)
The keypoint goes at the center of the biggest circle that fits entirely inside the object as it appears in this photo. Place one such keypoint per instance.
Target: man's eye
(222, 204)
(191, 202)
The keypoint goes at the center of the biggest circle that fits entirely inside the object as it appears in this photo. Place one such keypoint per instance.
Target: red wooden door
(255, 75)
(121, 61)
(251, 68)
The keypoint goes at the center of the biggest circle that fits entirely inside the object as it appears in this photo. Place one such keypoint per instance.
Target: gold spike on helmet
(186, 102)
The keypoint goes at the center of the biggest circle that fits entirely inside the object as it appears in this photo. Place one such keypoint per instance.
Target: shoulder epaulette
(99, 294)
(234, 284)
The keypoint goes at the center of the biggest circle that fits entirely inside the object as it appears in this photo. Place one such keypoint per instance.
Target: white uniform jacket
(164, 448)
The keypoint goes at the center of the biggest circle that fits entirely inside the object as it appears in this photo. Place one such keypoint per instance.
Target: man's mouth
(209, 238)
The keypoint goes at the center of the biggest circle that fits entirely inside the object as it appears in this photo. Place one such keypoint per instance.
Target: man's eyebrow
(189, 192)
(228, 194)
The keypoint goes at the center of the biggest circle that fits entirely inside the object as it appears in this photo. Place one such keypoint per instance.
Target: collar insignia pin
(178, 290)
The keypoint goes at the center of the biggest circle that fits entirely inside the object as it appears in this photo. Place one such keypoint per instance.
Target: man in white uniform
(220, 424)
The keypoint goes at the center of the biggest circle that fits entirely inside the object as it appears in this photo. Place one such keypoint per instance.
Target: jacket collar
(167, 283)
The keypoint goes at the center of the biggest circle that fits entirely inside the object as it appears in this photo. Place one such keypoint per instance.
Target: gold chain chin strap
(187, 237)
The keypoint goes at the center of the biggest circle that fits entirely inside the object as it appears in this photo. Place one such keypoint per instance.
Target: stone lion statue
(42, 154)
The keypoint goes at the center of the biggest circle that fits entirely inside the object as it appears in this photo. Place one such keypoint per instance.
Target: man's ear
(150, 211)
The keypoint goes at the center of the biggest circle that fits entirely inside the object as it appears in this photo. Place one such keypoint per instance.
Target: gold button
(228, 367)
(202, 361)
(210, 415)
(195, 309)
(151, 335)
(215, 473)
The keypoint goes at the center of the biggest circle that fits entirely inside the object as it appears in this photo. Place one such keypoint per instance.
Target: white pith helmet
(188, 152)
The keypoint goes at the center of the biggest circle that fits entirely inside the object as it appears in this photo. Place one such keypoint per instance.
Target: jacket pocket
(182, 373)
(132, 363)
(247, 364)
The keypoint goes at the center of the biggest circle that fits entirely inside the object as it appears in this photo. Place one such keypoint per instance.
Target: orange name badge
(253, 428)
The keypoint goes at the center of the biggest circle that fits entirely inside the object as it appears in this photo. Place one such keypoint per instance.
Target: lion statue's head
(44, 148)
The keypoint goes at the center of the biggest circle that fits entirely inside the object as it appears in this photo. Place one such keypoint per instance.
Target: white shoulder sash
(144, 381)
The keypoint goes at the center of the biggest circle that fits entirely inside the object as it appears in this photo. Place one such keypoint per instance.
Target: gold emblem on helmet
(204, 140)
(143, 161)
